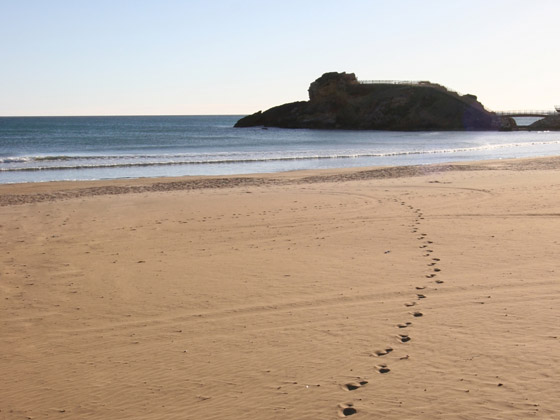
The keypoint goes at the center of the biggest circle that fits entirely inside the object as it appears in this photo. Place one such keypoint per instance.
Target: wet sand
(396, 293)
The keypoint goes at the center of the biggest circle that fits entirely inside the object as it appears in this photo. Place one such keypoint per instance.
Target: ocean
(39, 149)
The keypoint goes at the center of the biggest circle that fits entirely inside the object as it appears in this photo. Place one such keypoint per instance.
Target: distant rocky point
(340, 101)
(551, 122)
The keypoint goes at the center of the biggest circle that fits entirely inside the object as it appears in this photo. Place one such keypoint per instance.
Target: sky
(191, 57)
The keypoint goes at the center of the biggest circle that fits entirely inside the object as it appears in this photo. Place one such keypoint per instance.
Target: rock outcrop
(551, 123)
(339, 101)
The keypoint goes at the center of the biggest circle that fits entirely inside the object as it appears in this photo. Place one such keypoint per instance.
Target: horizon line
(122, 115)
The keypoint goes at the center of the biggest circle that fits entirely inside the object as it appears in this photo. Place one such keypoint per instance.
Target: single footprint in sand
(405, 325)
(383, 352)
(420, 287)
(351, 386)
(421, 296)
(404, 338)
(430, 276)
(439, 281)
(437, 270)
(382, 369)
(435, 259)
(417, 314)
(409, 304)
(345, 410)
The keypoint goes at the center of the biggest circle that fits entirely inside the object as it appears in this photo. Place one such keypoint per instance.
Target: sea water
(37, 149)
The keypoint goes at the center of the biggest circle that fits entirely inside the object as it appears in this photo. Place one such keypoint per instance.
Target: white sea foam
(37, 163)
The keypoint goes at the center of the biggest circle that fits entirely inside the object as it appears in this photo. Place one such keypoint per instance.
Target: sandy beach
(426, 292)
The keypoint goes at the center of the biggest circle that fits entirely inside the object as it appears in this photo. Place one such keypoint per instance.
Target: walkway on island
(513, 113)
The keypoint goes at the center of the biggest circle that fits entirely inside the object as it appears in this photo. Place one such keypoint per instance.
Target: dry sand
(392, 293)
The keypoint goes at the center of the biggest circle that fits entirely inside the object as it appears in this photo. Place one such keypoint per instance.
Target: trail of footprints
(426, 245)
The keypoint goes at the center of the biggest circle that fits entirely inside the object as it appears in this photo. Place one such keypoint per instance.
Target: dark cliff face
(549, 123)
(339, 101)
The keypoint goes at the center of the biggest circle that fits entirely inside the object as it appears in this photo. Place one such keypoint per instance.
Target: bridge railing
(528, 113)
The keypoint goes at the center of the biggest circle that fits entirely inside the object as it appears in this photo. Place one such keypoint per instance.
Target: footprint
(430, 276)
(437, 270)
(382, 369)
(431, 264)
(421, 296)
(409, 304)
(436, 259)
(417, 314)
(345, 410)
(404, 338)
(420, 287)
(380, 353)
(405, 325)
(439, 281)
(354, 385)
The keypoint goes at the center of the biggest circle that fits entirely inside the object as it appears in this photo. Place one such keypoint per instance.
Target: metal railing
(409, 83)
(393, 82)
(527, 113)
(520, 113)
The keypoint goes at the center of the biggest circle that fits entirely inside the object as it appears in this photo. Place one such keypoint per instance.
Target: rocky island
(340, 101)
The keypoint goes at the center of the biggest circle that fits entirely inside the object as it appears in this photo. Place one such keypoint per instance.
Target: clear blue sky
(121, 57)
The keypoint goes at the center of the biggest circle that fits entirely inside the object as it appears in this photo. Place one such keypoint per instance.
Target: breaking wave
(68, 162)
